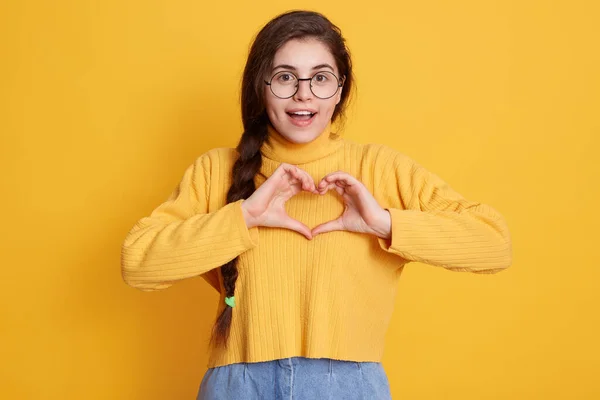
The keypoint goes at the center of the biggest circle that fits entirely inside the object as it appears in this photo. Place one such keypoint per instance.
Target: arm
(433, 224)
(181, 239)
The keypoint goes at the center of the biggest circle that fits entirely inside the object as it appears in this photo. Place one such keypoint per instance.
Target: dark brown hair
(278, 31)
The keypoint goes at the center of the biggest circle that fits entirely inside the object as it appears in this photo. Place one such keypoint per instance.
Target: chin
(301, 135)
(304, 137)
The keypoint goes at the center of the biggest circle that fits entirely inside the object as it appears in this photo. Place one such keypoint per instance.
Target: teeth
(302, 113)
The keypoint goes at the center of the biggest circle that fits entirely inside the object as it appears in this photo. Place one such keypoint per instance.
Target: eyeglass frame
(340, 84)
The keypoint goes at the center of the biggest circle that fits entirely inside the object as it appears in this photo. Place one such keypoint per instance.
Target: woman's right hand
(265, 207)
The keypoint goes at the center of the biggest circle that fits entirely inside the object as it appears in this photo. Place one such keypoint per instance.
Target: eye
(285, 77)
(321, 78)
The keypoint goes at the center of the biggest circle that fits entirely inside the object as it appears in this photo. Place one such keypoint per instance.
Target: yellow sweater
(330, 297)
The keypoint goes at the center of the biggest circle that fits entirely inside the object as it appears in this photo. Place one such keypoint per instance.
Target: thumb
(294, 225)
(335, 225)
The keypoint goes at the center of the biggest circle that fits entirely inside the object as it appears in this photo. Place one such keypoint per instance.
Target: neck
(280, 149)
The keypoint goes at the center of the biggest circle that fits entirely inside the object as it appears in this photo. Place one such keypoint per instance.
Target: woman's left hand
(361, 214)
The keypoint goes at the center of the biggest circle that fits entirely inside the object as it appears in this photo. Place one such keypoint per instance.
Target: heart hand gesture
(265, 207)
(362, 213)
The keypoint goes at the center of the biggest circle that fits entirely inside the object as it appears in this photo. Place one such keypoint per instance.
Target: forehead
(304, 54)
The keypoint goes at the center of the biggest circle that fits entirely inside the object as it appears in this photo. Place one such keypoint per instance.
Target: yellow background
(105, 103)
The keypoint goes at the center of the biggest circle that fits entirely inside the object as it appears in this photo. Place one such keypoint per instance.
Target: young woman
(305, 234)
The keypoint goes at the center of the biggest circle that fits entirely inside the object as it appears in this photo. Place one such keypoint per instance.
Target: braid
(245, 168)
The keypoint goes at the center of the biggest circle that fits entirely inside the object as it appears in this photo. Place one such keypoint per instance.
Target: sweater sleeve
(435, 225)
(181, 239)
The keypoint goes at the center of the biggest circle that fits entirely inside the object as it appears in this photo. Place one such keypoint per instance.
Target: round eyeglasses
(323, 85)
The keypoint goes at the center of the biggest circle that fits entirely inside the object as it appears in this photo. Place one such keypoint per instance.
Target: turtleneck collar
(278, 148)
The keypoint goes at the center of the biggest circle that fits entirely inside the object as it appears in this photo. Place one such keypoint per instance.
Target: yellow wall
(105, 103)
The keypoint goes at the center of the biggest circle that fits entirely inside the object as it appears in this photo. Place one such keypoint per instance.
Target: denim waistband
(296, 378)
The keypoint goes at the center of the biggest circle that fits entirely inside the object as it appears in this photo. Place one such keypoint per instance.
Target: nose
(303, 93)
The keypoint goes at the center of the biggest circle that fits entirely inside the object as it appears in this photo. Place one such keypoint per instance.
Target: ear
(339, 94)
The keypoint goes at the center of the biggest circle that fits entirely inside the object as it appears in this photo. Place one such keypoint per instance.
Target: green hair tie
(230, 301)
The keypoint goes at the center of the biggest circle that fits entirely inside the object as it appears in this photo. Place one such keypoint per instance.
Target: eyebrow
(320, 66)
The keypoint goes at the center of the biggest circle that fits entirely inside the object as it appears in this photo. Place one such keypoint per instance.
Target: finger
(345, 183)
(338, 185)
(312, 187)
(335, 225)
(297, 226)
(294, 179)
(288, 169)
(339, 177)
(333, 178)
(327, 187)
(309, 183)
(302, 176)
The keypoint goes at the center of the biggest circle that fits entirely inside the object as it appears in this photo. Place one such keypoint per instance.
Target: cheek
(330, 107)
(273, 104)
(268, 101)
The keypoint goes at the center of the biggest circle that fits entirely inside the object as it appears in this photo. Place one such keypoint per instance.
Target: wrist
(250, 222)
(383, 228)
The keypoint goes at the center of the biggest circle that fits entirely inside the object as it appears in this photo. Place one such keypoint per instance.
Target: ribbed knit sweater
(329, 297)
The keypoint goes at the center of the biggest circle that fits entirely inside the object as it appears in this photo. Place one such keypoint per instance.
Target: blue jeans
(296, 378)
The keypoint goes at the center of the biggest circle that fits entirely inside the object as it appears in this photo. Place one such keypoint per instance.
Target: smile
(301, 117)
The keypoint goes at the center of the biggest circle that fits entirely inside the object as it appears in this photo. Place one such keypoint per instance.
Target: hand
(265, 207)
(361, 214)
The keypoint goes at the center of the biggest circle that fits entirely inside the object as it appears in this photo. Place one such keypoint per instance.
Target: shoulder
(380, 156)
(216, 157)
(212, 164)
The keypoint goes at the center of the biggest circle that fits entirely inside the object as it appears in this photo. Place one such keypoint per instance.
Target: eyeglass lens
(323, 84)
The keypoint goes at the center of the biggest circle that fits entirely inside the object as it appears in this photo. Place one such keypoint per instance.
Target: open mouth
(301, 115)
